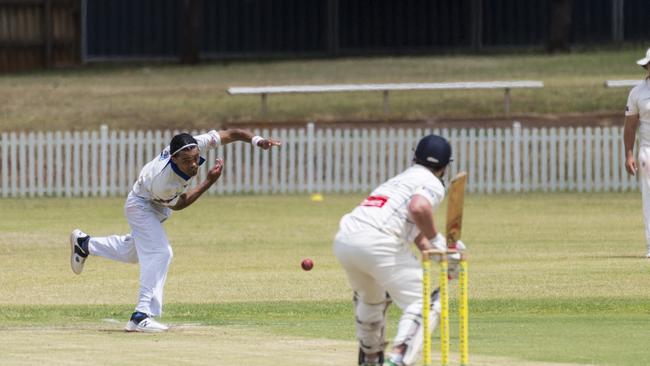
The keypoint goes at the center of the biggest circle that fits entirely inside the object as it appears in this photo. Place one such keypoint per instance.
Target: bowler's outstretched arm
(236, 134)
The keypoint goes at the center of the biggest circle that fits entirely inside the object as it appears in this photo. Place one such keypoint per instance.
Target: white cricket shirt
(162, 182)
(386, 209)
(638, 103)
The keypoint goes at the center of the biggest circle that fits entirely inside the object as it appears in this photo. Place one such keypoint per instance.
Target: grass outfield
(554, 278)
(171, 96)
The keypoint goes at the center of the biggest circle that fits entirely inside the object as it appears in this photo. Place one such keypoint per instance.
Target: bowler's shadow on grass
(637, 257)
(172, 329)
(629, 257)
(134, 334)
(112, 331)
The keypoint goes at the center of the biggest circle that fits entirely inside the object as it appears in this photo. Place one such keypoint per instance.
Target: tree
(190, 31)
(560, 26)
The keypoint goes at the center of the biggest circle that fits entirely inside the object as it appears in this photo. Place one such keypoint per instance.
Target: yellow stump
(463, 313)
(426, 305)
(444, 312)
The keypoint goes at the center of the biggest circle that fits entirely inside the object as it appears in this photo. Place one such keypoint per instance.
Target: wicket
(463, 309)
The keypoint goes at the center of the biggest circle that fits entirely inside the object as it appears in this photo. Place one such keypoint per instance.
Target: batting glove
(439, 242)
(454, 260)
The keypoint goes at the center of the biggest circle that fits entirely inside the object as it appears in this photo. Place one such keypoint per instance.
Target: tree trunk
(560, 26)
(190, 31)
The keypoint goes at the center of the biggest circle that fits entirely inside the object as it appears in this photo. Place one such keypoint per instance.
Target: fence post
(310, 156)
(49, 163)
(386, 105)
(40, 160)
(490, 161)
(85, 163)
(103, 159)
(31, 171)
(70, 163)
(263, 107)
(22, 158)
(516, 150)
(4, 164)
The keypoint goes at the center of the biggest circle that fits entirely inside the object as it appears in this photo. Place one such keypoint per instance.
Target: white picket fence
(106, 163)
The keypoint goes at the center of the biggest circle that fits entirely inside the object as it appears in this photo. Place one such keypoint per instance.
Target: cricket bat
(455, 200)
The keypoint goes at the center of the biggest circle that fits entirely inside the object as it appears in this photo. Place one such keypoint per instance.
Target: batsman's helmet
(433, 152)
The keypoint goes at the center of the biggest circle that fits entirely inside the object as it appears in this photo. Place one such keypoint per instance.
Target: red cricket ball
(307, 264)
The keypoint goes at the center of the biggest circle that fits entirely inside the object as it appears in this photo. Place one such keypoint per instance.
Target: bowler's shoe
(78, 250)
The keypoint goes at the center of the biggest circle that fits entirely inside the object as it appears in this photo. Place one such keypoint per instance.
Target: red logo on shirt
(375, 201)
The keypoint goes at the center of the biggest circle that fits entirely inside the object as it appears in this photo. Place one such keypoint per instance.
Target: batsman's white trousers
(377, 263)
(644, 169)
(147, 244)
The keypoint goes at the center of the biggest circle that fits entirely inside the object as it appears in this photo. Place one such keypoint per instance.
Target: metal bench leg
(386, 107)
(263, 108)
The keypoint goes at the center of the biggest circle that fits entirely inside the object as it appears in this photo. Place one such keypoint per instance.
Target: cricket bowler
(162, 186)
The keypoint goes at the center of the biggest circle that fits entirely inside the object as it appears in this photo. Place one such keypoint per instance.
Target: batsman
(373, 245)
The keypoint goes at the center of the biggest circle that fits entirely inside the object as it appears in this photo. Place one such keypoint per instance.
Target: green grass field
(554, 278)
(171, 96)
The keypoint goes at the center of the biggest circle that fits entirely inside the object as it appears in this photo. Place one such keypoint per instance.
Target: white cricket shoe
(77, 254)
(146, 325)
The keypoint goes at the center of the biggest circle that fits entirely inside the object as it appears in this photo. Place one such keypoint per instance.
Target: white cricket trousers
(644, 169)
(376, 263)
(147, 244)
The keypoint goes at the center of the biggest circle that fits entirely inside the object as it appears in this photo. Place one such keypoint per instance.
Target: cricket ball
(307, 264)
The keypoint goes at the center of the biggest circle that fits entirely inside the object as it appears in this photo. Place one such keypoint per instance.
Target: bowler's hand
(268, 143)
(630, 165)
(215, 172)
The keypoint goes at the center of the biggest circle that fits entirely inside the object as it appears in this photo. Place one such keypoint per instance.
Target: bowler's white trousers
(147, 244)
(644, 169)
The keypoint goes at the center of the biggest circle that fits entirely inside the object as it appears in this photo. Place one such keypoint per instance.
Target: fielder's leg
(644, 169)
